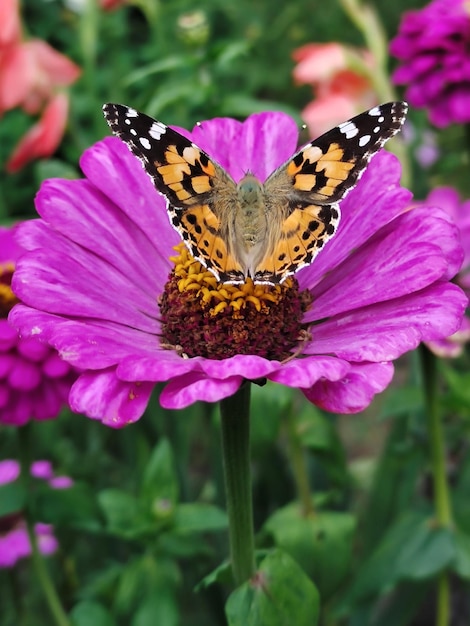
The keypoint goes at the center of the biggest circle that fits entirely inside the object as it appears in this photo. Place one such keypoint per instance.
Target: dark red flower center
(201, 317)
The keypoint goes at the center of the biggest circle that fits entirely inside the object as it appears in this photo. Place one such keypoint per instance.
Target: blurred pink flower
(14, 538)
(340, 92)
(34, 381)
(42, 139)
(10, 32)
(31, 75)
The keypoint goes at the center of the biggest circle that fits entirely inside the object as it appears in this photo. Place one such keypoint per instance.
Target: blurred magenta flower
(432, 44)
(340, 92)
(14, 539)
(33, 76)
(34, 380)
(100, 284)
(448, 199)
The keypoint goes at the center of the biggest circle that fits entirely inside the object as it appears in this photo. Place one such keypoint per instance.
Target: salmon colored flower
(33, 76)
(43, 138)
(340, 91)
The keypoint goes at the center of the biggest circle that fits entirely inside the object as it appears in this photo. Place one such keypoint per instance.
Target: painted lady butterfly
(264, 230)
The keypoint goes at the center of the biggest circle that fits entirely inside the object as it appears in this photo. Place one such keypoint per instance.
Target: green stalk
(42, 574)
(299, 467)
(441, 489)
(235, 430)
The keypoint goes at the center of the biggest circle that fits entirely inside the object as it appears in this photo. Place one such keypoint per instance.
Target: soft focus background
(142, 521)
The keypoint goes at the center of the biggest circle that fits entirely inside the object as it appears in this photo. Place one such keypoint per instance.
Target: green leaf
(86, 613)
(160, 483)
(461, 563)
(414, 548)
(280, 594)
(123, 515)
(321, 543)
(73, 506)
(161, 609)
(12, 498)
(221, 574)
(199, 517)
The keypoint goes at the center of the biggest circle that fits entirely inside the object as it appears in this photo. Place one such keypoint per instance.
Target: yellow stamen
(192, 276)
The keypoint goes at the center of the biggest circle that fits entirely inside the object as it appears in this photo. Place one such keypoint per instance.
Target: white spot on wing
(131, 113)
(364, 140)
(349, 129)
(376, 129)
(133, 131)
(375, 111)
(145, 142)
(157, 130)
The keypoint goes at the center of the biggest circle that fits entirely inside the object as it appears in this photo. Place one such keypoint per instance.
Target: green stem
(436, 438)
(299, 467)
(443, 600)
(235, 428)
(441, 489)
(39, 565)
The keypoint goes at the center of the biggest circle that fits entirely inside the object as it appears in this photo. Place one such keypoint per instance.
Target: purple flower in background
(34, 380)
(448, 199)
(433, 46)
(14, 539)
(102, 283)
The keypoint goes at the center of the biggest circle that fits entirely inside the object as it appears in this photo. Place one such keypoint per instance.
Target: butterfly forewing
(190, 181)
(329, 166)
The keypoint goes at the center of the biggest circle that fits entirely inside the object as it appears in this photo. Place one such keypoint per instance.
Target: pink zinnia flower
(34, 380)
(99, 286)
(432, 44)
(14, 539)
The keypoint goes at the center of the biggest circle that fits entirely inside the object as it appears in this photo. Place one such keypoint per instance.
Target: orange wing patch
(303, 235)
(200, 229)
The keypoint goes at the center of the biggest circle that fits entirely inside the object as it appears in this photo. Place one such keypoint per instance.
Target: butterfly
(263, 230)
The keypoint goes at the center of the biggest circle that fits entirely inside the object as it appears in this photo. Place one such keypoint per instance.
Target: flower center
(201, 317)
(7, 297)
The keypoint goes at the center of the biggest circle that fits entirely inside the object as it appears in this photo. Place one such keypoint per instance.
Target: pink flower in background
(448, 199)
(14, 539)
(433, 45)
(43, 138)
(339, 91)
(96, 284)
(34, 380)
(32, 76)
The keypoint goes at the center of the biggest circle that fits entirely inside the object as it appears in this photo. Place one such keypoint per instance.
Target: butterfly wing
(196, 188)
(313, 183)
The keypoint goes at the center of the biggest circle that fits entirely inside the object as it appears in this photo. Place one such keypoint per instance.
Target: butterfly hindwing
(190, 181)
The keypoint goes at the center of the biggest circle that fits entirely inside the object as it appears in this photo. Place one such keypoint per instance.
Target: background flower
(14, 539)
(340, 90)
(33, 76)
(34, 380)
(432, 45)
(98, 262)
